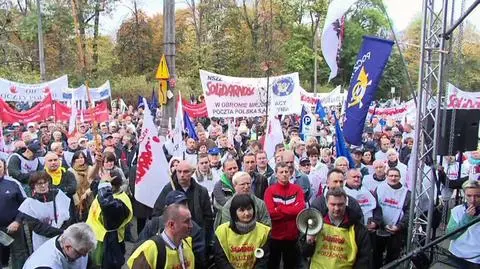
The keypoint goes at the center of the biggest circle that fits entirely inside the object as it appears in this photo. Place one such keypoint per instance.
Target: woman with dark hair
(47, 212)
(84, 174)
(110, 163)
(243, 242)
(108, 216)
(367, 161)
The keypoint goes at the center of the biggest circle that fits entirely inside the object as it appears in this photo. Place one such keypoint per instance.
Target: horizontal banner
(458, 99)
(39, 112)
(80, 93)
(19, 92)
(247, 97)
(99, 113)
(195, 110)
(333, 98)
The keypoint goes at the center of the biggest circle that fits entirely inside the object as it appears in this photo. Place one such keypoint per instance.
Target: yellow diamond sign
(162, 70)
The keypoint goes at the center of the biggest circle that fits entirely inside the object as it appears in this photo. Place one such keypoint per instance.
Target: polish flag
(274, 136)
(152, 167)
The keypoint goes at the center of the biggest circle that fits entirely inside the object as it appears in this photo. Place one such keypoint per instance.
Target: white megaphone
(310, 221)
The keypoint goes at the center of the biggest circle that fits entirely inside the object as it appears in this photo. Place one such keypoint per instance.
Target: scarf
(227, 182)
(56, 175)
(473, 161)
(244, 228)
(81, 173)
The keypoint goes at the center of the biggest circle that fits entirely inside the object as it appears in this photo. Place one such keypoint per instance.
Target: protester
(338, 226)
(296, 176)
(47, 212)
(11, 197)
(284, 201)
(464, 245)
(204, 175)
(61, 178)
(394, 199)
(156, 226)
(109, 215)
(244, 233)
(259, 182)
(69, 250)
(242, 183)
(170, 249)
(22, 163)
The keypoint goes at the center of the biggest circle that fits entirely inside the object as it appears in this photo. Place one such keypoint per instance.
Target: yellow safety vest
(240, 248)
(172, 260)
(336, 248)
(95, 218)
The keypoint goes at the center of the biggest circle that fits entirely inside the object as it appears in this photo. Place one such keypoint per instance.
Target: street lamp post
(41, 53)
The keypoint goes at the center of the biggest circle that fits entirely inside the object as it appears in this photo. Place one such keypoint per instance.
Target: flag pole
(98, 142)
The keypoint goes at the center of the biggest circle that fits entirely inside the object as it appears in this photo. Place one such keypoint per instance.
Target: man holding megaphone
(343, 242)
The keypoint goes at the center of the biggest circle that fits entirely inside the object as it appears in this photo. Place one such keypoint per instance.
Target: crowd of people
(67, 199)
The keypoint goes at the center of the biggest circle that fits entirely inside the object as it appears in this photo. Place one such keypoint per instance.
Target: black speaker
(465, 133)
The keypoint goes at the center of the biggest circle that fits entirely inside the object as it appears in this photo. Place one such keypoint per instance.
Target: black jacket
(11, 198)
(259, 184)
(156, 226)
(198, 203)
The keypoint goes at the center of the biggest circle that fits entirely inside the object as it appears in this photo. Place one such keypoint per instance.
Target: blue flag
(188, 126)
(154, 103)
(302, 128)
(340, 145)
(368, 69)
(140, 102)
(320, 110)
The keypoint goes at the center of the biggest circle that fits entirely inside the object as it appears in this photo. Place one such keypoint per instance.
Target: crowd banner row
(11, 91)
(247, 97)
(47, 108)
(195, 110)
(333, 98)
(458, 99)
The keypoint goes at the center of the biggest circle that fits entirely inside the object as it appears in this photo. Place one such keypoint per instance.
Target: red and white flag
(178, 144)
(152, 167)
(332, 34)
(274, 136)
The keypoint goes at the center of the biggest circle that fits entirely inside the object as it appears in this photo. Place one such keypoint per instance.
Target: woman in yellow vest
(243, 242)
(109, 215)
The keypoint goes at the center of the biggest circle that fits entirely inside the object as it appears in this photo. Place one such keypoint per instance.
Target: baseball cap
(31, 124)
(107, 136)
(214, 151)
(16, 124)
(34, 146)
(304, 160)
(175, 197)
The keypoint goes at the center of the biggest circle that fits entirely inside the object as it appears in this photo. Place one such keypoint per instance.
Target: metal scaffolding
(430, 92)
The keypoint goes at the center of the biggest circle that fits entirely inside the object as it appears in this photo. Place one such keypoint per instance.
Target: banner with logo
(39, 112)
(458, 99)
(99, 113)
(366, 75)
(195, 110)
(80, 93)
(19, 92)
(247, 97)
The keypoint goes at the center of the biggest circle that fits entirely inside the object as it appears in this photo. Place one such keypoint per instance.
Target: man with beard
(190, 153)
(259, 182)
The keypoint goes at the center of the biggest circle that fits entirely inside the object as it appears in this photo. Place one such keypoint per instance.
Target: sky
(402, 12)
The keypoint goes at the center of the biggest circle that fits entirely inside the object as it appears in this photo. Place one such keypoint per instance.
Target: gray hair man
(69, 250)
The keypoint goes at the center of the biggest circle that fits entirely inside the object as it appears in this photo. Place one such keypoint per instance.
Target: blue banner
(366, 75)
(340, 145)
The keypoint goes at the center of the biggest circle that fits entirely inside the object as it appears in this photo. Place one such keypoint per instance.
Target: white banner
(458, 99)
(80, 93)
(246, 97)
(19, 92)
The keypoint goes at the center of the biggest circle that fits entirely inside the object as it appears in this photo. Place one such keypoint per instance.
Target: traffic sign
(162, 70)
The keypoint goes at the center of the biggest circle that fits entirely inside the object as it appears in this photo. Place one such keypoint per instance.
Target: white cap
(31, 124)
(16, 124)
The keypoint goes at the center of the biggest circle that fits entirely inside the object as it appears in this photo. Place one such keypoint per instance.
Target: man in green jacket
(242, 182)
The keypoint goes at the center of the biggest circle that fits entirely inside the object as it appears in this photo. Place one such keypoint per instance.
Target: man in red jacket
(284, 200)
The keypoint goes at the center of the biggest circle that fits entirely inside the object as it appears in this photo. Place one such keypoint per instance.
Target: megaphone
(310, 221)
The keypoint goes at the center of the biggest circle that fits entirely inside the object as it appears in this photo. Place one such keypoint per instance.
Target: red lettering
(222, 89)
(334, 239)
(242, 248)
(391, 201)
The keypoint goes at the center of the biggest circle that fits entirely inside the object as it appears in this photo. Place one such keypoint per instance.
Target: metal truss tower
(429, 96)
